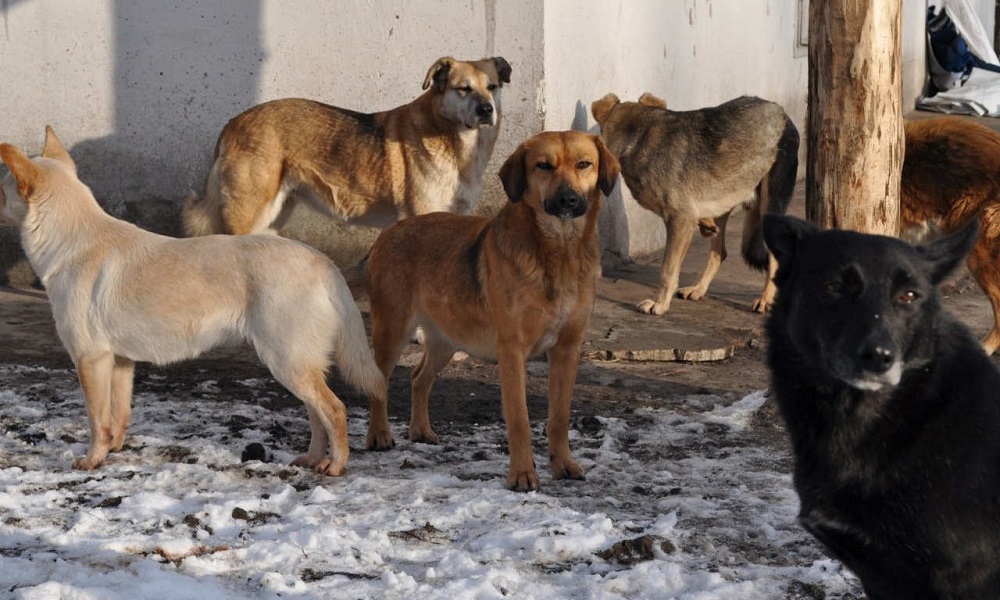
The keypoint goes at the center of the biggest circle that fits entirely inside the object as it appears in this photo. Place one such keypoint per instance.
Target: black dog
(892, 407)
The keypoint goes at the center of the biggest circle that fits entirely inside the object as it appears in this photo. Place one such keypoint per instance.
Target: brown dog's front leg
(521, 476)
(564, 363)
(94, 373)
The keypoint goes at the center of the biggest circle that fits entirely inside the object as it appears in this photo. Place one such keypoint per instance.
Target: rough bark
(855, 123)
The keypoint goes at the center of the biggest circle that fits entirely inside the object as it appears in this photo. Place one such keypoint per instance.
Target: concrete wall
(140, 90)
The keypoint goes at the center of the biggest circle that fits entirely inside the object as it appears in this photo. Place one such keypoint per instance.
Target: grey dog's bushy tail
(775, 192)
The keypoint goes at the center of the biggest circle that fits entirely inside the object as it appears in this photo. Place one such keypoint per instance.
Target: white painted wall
(140, 90)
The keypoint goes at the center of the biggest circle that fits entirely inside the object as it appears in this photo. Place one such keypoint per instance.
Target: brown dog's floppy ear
(438, 73)
(503, 68)
(603, 107)
(55, 150)
(27, 173)
(607, 171)
(648, 99)
(513, 175)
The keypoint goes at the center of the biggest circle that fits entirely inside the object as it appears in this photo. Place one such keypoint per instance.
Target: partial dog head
(560, 172)
(470, 91)
(602, 109)
(34, 181)
(859, 308)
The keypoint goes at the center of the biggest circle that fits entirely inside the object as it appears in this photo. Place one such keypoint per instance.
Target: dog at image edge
(509, 287)
(951, 175)
(122, 295)
(366, 169)
(692, 168)
(892, 410)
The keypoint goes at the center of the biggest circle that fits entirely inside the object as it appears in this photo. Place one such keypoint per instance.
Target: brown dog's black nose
(484, 110)
(566, 203)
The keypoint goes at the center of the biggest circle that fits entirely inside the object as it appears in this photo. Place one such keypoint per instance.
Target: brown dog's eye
(492, 87)
(462, 91)
(584, 164)
(544, 166)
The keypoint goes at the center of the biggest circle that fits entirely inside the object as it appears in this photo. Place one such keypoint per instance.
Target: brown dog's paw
(760, 306)
(523, 481)
(566, 468)
(424, 436)
(328, 467)
(708, 228)
(379, 441)
(691, 293)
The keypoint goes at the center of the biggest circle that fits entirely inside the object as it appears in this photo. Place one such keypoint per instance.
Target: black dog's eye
(544, 166)
(584, 164)
(834, 288)
(907, 297)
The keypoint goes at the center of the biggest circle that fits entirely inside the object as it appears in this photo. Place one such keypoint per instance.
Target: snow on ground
(678, 503)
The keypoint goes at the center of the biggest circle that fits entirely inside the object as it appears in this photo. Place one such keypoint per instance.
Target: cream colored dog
(120, 295)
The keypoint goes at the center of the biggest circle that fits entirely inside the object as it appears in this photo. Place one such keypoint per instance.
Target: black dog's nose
(484, 110)
(877, 358)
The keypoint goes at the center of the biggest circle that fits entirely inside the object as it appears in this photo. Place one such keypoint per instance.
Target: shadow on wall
(182, 69)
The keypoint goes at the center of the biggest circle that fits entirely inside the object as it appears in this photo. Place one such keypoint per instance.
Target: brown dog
(692, 168)
(510, 287)
(368, 169)
(951, 175)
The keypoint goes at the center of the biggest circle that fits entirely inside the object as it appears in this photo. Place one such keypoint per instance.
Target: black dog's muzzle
(566, 203)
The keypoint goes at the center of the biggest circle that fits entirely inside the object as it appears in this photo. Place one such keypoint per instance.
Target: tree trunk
(855, 124)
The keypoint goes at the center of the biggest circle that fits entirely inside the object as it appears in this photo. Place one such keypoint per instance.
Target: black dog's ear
(513, 175)
(783, 234)
(945, 254)
(503, 68)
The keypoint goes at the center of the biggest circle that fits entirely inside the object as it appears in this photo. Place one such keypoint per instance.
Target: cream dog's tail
(351, 352)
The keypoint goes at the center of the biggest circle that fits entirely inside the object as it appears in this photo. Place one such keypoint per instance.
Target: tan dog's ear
(513, 174)
(27, 173)
(438, 73)
(603, 107)
(503, 68)
(648, 99)
(55, 150)
(607, 171)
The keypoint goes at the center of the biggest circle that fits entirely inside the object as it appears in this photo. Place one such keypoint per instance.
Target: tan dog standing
(510, 287)
(122, 295)
(692, 168)
(367, 169)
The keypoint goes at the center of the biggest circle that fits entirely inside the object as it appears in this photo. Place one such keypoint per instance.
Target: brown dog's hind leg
(983, 265)
(95, 374)
(390, 334)
(437, 354)
(121, 400)
(564, 363)
(248, 188)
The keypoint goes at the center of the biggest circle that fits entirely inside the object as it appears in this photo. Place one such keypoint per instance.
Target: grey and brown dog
(692, 168)
(368, 169)
(509, 287)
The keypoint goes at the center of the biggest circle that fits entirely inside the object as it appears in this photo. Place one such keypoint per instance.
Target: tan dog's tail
(774, 193)
(200, 217)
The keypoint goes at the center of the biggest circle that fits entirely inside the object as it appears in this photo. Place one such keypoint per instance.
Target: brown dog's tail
(774, 193)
